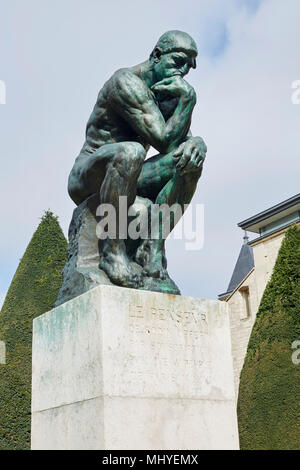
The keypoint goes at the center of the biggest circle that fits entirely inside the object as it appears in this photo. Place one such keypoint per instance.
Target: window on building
(246, 312)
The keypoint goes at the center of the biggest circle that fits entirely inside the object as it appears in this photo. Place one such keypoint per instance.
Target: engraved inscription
(168, 346)
(188, 318)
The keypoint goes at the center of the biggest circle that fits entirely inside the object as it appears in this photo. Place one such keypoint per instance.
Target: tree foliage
(269, 404)
(33, 291)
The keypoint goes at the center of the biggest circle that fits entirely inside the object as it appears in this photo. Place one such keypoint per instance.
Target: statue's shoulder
(118, 81)
(125, 88)
(124, 79)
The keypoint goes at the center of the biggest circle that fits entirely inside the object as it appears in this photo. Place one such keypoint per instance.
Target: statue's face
(172, 63)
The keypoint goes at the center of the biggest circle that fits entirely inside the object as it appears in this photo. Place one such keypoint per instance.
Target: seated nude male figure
(149, 104)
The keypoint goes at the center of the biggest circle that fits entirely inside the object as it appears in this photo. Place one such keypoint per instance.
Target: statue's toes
(157, 272)
(138, 280)
(151, 272)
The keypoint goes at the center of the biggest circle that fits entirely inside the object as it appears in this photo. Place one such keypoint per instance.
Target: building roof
(243, 266)
(265, 223)
(272, 215)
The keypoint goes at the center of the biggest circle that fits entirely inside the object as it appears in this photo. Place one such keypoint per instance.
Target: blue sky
(55, 56)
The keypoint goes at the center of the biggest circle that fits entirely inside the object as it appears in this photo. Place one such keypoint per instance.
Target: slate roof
(245, 261)
(244, 264)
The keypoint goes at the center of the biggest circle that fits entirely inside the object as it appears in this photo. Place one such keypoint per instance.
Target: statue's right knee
(131, 157)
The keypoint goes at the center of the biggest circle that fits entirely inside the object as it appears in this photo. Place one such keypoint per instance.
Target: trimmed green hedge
(33, 291)
(269, 394)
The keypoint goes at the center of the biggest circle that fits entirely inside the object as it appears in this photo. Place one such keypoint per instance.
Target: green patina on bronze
(149, 104)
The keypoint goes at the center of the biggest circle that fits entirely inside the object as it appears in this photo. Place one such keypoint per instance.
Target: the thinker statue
(150, 104)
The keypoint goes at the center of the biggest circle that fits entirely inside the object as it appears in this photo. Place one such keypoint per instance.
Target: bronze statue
(150, 104)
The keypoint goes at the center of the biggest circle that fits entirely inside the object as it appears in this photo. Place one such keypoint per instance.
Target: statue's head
(174, 54)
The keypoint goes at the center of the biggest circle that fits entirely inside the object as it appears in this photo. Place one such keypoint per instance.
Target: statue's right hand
(173, 86)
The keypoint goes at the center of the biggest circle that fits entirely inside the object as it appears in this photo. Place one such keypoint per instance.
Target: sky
(56, 55)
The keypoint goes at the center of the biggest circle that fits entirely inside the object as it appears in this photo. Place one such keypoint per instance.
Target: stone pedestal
(120, 368)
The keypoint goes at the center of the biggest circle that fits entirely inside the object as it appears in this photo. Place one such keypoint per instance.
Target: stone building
(252, 272)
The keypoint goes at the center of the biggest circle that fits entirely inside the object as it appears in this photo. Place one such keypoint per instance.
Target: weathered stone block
(119, 368)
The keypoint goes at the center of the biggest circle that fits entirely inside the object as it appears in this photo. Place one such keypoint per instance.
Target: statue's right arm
(130, 98)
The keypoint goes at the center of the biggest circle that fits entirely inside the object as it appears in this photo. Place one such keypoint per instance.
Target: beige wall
(242, 319)
(265, 254)
(241, 323)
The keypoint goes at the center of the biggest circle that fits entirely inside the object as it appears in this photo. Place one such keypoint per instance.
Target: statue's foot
(152, 260)
(155, 270)
(167, 285)
(120, 271)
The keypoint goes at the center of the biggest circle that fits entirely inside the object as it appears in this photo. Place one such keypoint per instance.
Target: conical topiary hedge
(269, 395)
(33, 291)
